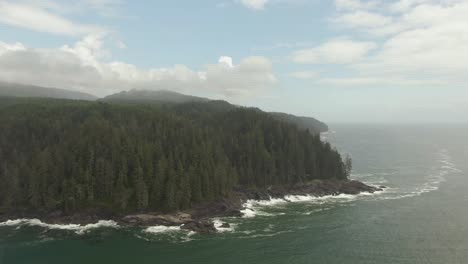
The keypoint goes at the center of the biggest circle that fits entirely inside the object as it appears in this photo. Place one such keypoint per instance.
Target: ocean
(421, 217)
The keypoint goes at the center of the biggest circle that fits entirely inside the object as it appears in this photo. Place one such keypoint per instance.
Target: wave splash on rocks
(205, 218)
(79, 229)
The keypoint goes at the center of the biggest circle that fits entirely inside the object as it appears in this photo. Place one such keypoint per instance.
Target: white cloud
(40, 19)
(374, 81)
(254, 4)
(424, 42)
(339, 51)
(363, 19)
(355, 4)
(305, 75)
(402, 6)
(5, 47)
(81, 67)
(101, 7)
(226, 60)
(393, 17)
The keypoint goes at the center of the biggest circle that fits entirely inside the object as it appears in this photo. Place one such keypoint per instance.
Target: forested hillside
(170, 97)
(72, 155)
(302, 122)
(162, 96)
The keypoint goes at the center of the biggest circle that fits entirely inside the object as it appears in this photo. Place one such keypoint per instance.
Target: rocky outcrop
(225, 225)
(157, 219)
(226, 207)
(232, 206)
(200, 226)
(198, 218)
(315, 188)
(323, 188)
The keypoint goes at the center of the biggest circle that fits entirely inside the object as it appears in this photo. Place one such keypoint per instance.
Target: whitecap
(248, 212)
(311, 198)
(271, 202)
(79, 229)
(267, 235)
(252, 208)
(162, 229)
(13, 222)
(218, 225)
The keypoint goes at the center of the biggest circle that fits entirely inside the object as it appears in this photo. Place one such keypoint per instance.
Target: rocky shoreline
(198, 219)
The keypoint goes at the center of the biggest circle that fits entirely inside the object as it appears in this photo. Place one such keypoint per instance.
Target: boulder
(200, 226)
(225, 225)
(151, 219)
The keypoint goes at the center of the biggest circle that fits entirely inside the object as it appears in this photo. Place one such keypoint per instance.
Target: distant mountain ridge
(147, 96)
(164, 96)
(21, 90)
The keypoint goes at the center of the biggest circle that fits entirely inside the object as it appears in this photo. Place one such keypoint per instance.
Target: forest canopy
(72, 155)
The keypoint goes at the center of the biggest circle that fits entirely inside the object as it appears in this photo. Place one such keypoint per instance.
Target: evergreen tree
(73, 155)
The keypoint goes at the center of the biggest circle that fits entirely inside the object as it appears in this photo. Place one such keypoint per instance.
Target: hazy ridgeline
(75, 155)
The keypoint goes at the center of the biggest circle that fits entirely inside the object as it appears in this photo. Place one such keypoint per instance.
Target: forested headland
(71, 155)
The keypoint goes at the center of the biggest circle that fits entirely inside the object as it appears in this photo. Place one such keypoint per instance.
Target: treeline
(73, 155)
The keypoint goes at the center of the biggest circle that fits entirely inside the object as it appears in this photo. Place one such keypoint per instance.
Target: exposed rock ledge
(198, 218)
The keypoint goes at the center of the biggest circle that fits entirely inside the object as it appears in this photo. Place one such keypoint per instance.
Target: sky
(365, 61)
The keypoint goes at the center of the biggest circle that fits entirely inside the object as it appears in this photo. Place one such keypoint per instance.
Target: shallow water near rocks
(420, 218)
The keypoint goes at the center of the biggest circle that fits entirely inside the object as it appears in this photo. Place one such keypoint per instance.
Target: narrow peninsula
(172, 161)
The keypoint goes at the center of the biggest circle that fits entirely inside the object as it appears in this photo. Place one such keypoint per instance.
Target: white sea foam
(162, 229)
(311, 198)
(433, 179)
(316, 211)
(79, 229)
(267, 234)
(361, 175)
(175, 233)
(13, 222)
(248, 212)
(254, 208)
(218, 225)
(271, 202)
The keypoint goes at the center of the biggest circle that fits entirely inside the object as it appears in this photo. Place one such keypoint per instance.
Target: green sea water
(422, 217)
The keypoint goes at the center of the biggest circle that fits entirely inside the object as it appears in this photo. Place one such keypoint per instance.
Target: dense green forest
(170, 97)
(72, 155)
(144, 97)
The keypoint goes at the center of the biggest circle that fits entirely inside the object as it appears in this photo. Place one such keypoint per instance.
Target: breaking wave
(162, 229)
(79, 229)
(219, 226)
(254, 208)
